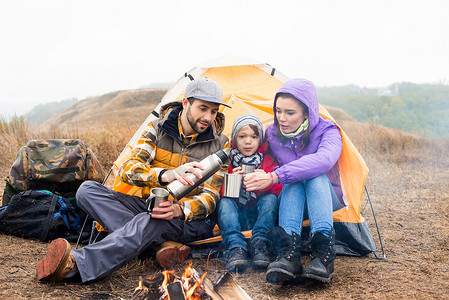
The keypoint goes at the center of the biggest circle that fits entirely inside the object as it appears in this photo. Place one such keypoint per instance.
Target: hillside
(407, 183)
(415, 108)
(43, 112)
(126, 106)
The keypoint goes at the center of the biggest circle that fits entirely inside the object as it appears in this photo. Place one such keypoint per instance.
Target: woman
(306, 146)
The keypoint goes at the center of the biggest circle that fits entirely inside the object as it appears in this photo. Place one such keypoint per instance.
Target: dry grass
(407, 183)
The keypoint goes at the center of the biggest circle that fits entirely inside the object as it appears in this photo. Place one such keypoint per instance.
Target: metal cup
(247, 168)
(157, 195)
(231, 185)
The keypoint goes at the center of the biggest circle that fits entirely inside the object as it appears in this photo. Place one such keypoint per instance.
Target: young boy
(258, 210)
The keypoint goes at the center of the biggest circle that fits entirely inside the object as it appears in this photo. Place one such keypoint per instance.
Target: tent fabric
(249, 87)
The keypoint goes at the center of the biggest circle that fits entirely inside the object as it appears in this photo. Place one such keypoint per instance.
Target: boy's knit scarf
(237, 159)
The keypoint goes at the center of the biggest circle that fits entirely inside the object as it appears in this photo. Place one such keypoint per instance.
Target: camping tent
(250, 86)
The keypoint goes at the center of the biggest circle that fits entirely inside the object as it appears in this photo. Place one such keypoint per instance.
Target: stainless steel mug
(157, 195)
(231, 185)
(247, 168)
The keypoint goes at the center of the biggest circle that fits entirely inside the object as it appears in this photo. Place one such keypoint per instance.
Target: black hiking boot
(259, 253)
(321, 267)
(287, 266)
(236, 259)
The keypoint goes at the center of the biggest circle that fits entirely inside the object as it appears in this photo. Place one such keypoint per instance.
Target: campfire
(190, 286)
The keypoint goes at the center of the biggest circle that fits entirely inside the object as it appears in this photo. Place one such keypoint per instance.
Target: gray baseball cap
(205, 89)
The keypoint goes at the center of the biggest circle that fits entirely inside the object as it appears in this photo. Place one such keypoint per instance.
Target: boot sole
(170, 256)
(238, 264)
(260, 264)
(57, 256)
(278, 275)
(318, 278)
(184, 252)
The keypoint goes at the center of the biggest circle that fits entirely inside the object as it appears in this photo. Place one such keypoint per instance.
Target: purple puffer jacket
(324, 147)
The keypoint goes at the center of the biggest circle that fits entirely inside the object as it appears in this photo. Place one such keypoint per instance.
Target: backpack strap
(51, 211)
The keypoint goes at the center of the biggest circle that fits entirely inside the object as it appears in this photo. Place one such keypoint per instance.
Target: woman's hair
(305, 139)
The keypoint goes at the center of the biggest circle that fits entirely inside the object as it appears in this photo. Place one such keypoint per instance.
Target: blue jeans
(260, 218)
(312, 198)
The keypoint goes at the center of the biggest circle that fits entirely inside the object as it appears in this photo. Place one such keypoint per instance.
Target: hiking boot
(321, 267)
(57, 263)
(287, 265)
(236, 259)
(171, 253)
(259, 253)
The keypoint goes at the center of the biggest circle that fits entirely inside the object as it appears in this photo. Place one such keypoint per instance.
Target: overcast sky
(54, 50)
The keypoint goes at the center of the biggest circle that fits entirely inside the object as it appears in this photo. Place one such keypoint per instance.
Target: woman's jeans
(233, 220)
(312, 198)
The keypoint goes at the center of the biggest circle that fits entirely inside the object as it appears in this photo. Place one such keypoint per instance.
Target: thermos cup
(231, 185)
(157, 195)
(211, 164)
(247, 168)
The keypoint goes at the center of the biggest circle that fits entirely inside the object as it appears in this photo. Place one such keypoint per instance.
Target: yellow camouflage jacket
(160, 147)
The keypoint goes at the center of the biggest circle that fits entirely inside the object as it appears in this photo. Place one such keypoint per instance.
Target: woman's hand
(258, 180)
(167, 211)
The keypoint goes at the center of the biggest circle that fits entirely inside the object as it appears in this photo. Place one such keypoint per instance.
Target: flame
(190, 280)
(186, 276)
(140, 286)
(167, 280)
(189, 293)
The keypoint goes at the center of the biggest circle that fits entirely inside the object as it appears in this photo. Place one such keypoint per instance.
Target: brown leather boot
(57, 263)
(171, 253)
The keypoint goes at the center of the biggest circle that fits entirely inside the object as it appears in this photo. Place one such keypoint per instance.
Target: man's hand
(256, 181)
(167, 211)
(181, 173)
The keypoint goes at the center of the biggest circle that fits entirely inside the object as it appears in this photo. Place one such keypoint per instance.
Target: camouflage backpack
(57, 165)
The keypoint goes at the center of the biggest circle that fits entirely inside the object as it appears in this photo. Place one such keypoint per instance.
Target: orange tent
(250, 86)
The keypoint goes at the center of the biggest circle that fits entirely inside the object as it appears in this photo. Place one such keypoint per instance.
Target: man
(170, 149)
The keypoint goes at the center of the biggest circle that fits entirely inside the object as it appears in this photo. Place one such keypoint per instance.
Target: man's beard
(195, 123)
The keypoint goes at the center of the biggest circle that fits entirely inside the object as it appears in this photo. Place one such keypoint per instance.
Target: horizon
(8, 117)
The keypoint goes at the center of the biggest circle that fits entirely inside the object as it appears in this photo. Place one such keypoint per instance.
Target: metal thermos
(211, 164)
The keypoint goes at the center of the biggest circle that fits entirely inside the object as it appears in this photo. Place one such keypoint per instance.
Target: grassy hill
(42, 112)
(416, 108)
(128, 106)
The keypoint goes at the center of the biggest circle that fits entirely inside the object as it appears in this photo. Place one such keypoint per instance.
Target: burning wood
(168, 286)
(226, 288)
(190, 286)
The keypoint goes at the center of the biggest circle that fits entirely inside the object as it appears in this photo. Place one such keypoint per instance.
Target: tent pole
(375, 220)
(85, 220)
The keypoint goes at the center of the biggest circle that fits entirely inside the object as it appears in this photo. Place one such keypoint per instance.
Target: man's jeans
(312, 198)
(260, 218)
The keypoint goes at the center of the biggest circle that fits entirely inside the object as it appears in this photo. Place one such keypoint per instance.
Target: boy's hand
(237, 170)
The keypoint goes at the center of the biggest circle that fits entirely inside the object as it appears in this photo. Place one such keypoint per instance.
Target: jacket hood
(177, 105)
(303, 90)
